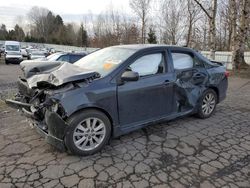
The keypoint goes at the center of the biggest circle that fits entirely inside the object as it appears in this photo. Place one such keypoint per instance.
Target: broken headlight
(55, 106)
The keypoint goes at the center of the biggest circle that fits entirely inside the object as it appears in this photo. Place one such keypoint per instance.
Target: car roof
(12, 43)
(71, 53)
(145, 46)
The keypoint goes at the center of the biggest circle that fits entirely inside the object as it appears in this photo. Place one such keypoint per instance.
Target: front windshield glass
(12, 48)
(105, 60)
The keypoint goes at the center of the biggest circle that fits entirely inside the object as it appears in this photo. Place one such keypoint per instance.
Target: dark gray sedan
(113, 91)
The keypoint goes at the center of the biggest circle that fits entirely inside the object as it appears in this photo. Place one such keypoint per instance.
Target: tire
(79, 135)
(206, 108)
(6, 62)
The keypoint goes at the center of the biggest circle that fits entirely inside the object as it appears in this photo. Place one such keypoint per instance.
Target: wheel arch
(216, 91)
(97, 109)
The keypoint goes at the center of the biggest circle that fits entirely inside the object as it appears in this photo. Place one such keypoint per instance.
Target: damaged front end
(44, 113)
(40, 101)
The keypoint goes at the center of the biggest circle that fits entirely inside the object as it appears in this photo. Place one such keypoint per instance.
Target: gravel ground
(8, 77)
(187, 152)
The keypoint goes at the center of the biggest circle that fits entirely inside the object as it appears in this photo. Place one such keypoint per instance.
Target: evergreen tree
(3, 32)
(151, 36)
(82, 38)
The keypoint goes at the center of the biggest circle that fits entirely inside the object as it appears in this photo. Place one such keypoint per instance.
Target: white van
(12, 52)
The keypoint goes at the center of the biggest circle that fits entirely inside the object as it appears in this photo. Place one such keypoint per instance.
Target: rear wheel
(207, 104)
(88, 132)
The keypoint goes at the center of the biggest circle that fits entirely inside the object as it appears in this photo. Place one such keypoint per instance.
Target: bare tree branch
(204, 10)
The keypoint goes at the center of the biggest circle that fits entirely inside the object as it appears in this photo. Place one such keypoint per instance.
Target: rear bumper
(222, 87)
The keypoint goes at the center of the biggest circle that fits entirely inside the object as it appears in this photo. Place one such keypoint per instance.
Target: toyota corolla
(79, 107)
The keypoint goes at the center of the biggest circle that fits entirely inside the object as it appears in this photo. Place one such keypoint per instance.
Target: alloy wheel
(89, 134)
(208, 104)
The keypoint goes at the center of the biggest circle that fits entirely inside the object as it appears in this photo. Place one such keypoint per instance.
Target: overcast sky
(11, 9)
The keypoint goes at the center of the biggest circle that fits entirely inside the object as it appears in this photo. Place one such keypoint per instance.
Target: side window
(74, 58)
(149, 64)
(198, 62)
(63, 58)
(182, 61)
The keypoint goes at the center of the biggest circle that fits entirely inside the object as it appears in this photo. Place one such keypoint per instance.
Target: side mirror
(130, 76)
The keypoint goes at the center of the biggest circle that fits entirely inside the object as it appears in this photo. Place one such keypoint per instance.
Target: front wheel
(207, 104)
(88, 132)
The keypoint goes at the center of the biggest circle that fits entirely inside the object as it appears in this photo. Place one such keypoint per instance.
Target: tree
(39, 21)
(211, 14)
(172, 12)
(3, 32)
(192, 17)
(82, 36)
(19, 33)
(151, 36)
(141, 8)
(240, 32)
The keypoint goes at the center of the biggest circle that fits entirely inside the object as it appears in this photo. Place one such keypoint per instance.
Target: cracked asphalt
(187, 152)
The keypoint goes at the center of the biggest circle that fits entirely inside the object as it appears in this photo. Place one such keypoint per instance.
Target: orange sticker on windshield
(108, 66)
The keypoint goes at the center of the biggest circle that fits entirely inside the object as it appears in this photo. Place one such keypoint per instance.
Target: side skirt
(120, 130)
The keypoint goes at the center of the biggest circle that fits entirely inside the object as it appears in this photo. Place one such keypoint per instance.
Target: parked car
(24, 52)
(36, 54)
(66, 56)
(2, 48)
(116, 90)
(12, 53)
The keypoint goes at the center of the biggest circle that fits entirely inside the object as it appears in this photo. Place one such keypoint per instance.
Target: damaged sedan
(79, 107)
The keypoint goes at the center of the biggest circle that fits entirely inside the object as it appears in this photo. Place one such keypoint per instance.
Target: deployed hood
(46, 74)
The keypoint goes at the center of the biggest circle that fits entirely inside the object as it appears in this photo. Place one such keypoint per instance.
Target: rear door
(191, 77)
(189, 67)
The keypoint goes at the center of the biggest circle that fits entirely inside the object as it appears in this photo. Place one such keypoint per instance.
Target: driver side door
(151, 96)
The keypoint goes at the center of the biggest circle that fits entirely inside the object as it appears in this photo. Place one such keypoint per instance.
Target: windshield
(12, 48)
(105, 60)
(53, 57)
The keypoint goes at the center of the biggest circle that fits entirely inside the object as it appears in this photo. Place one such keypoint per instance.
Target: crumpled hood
(45, 74)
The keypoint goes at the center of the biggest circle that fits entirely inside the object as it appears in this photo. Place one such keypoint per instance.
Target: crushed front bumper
(52, 127)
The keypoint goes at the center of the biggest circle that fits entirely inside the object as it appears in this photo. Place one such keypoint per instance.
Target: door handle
(199, 75)
(166, 82)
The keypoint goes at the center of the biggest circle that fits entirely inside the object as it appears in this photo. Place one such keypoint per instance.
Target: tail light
(227, 74)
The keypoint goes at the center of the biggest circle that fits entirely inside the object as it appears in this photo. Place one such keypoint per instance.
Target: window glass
(105, 60)
(64, 58)
(74, 58)
(198, 63)
(12, 48)
(182, 61)
(149, 64)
